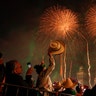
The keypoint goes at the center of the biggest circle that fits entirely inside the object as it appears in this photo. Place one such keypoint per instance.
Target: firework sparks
(91, 21)
(57, 20)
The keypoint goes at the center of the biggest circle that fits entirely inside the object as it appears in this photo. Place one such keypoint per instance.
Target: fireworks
(91, 21)
(58, 21)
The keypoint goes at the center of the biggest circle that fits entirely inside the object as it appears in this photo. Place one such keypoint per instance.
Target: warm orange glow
(57, 20)
(91, 21)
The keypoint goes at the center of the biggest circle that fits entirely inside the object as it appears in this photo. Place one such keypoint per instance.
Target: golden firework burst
(58, 21)
(90, 21)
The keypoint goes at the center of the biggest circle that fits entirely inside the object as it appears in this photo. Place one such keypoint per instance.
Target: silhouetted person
(93, 91)
(2, 72)
(88, 92)
(13, 76)
(44, 80)
(78, 90)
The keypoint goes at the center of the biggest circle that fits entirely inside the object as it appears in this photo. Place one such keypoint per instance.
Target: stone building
(82, 76)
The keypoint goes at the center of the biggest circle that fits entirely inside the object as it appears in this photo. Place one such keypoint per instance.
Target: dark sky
(26, 13)
(19, 37)
(15, 13)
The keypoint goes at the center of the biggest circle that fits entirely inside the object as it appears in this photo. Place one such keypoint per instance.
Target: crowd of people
(13, 84)
(10, 73)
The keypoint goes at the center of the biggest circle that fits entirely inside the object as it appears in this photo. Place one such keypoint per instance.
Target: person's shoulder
(16, 76)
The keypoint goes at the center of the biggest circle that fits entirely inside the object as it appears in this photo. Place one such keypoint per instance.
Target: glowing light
(58, 21)
(91, 21)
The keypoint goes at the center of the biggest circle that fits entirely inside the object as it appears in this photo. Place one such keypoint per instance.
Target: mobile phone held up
(29, 65)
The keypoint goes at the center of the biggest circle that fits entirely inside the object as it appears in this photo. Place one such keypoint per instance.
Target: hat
(57, 85)
(68, 83)
(56, 47)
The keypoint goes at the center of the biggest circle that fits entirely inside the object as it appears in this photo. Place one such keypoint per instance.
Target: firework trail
(90, 21)
(58, 21)
(88, 58)
(89, 66)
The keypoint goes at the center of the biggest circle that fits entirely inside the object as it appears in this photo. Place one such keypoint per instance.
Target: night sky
(20, 39)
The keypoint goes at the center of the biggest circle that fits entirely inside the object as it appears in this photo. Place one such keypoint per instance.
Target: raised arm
(51, 66)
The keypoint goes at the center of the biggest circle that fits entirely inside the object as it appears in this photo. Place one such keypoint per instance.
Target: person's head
(88, 92)
(68, 83)
(39, 68)
(13, 66)
(78, 89)
(93, 90)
